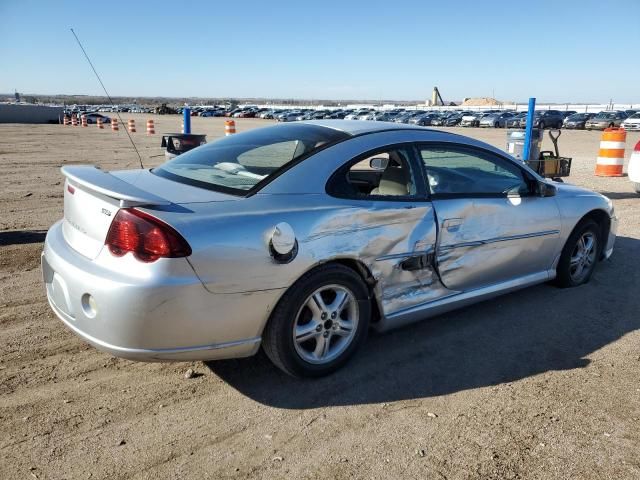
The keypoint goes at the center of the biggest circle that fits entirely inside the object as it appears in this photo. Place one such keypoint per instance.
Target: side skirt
(459, 300)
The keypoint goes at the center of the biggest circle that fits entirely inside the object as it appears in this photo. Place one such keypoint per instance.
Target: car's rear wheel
(579, 255)
(319, 322)
(541, 126)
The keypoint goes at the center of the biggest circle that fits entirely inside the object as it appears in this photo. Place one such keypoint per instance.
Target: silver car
(300, 237)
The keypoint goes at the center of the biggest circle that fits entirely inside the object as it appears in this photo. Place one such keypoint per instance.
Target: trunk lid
(92, 197)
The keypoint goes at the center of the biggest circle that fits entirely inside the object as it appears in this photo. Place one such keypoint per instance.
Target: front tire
(579, 255)
(319, 323)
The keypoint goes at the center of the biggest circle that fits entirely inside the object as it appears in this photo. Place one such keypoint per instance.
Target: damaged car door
(493, 227)
(397, 234)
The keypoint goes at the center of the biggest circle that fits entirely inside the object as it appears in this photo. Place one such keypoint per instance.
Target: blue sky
(555, 50)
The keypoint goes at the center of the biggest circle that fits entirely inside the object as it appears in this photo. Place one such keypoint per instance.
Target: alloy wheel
(326, 324)
(583, 256)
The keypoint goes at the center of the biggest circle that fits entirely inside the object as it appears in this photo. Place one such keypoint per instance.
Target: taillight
(145, 236)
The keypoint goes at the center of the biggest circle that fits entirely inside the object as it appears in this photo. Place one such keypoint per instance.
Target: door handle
(452, 224)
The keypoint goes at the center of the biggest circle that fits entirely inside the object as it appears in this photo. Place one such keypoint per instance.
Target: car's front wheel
(579, 255)
(319, 322)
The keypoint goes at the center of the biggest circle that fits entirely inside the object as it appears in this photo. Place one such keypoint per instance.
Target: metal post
(529, 129)
(186, 119)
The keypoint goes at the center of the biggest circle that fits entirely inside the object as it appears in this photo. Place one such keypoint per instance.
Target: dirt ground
(539, 384)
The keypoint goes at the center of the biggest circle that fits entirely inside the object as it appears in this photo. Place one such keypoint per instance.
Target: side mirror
(546, 189)
(379, 163)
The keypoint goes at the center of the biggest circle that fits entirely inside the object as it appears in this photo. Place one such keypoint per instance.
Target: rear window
(239, 163)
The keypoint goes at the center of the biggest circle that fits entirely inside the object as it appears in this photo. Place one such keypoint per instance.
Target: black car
(577, 121)
(545, 118)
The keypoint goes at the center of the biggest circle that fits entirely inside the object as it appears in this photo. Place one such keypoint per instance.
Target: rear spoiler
(99, 181)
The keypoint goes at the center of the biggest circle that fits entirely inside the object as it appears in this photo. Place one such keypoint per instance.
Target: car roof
(357, 127)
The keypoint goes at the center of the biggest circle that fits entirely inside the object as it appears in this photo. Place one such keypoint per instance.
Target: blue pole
(529, 129)
(186, 119)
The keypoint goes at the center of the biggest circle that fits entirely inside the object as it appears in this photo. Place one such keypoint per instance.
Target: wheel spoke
(306, 332)
(341, 300)
(578, 270)
(319, 302)
(322, 346)
(588, 244)
(316, 310)
(344, 328)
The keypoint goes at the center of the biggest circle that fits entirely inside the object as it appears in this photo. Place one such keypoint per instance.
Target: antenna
(108, 96)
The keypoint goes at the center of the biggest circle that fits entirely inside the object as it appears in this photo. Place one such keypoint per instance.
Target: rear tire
(327, 306)
(579, 255)
(541, 125)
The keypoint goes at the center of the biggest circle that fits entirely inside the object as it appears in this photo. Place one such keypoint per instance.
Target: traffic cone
(99, 123)
(132, 126)
(229, 127)
(114, 125)
(610, 159)
(150, 127)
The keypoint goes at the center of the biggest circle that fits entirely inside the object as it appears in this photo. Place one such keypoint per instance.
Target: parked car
(632, 122)
(496, 120)
(407, 116)
(423, 120)
(335, 115)
(355, 115)
(568, 113)
(576, 121)
(472, 119)
(383, 116)
(545, 119)
(288, 116)
(605, 120)
(514, 122)
(93, 118)
(308, 252)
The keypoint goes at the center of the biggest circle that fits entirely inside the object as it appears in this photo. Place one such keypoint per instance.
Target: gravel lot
(539, 384)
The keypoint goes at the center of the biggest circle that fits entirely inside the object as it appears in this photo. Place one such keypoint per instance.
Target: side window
(384, 173)
(456, 171)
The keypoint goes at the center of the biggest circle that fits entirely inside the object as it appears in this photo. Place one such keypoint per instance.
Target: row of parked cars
(628, 119)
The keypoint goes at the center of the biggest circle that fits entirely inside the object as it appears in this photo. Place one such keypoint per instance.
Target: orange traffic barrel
(84, 120)
(150, 127)
(67, 120)
(132, 126)
(611, 155)
(229, 127)
(99, 123)
(74, 120)
(114, 125)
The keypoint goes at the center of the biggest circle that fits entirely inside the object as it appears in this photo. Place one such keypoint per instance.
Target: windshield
(237, 163)
(577, 116)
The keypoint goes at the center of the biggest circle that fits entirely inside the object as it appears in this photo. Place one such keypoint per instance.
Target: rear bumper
(149, 312)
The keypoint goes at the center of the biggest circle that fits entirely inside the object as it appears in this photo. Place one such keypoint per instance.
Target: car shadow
(21, 237)
(515, 336)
